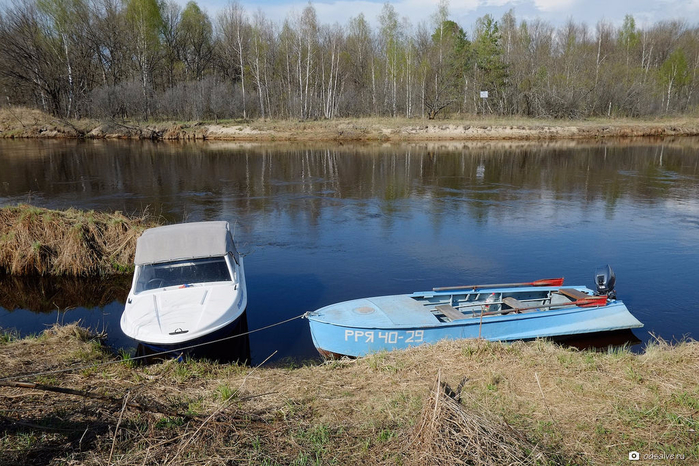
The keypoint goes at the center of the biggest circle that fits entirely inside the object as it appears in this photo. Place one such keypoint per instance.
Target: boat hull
(230, 343)
(345, 339)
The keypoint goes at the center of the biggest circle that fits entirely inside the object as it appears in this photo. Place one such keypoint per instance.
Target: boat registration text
(369, 336)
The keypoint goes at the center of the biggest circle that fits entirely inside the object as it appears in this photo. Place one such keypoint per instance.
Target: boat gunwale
(569, 309)
(429, 294)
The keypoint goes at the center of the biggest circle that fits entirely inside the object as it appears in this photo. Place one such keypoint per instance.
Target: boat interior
(191, 271)
(457, 306)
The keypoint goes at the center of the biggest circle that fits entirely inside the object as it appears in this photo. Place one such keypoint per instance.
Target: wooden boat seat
(451, 312)
(515, 304)
(573, 294)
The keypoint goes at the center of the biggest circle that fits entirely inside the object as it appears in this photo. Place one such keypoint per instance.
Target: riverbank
(38, 241)
(527, 402)
(28, 123)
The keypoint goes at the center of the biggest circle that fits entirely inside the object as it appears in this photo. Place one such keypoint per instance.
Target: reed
(38, 241)
(452, 430)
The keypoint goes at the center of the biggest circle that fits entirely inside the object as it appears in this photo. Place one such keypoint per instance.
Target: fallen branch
(116, 429)
(110, 399)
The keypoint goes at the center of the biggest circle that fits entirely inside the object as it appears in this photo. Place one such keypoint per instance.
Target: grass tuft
(37, 241)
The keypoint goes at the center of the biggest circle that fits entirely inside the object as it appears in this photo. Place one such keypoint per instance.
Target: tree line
(148, 59)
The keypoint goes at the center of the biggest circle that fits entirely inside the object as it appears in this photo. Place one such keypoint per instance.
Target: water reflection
(52, 294)
(322, 224)
(249, 178)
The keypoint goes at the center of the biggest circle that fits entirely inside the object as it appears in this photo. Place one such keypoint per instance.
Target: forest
(153, 59)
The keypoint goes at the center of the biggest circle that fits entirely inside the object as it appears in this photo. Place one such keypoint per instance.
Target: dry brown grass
(21, 122)
(462, 128)
(37, 241)
(565, 405)
(17, 122)
(455, 431)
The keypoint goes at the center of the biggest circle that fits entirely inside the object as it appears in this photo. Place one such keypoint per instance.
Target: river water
(326, 223)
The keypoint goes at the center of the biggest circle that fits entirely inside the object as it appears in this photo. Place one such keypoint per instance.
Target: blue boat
(519, 311)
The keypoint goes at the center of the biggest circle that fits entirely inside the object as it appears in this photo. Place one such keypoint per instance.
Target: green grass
(127, 359)
(225, 393)
(169, 422)
(8, 336)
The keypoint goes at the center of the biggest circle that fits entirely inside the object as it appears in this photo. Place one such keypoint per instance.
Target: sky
(465, 12)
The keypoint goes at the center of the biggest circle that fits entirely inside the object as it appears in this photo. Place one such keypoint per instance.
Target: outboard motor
(604, 281)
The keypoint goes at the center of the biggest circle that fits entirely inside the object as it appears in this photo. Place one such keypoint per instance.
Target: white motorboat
(188, 287)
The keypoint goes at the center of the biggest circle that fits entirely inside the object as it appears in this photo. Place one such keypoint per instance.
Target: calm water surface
(322, 224)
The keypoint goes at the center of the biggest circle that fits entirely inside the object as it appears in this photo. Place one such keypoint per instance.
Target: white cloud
(498, 3)
(340, 11)
(554, 5)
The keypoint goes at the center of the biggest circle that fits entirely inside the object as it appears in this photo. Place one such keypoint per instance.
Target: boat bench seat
(450, 311)
(515, 304)
(573, 294)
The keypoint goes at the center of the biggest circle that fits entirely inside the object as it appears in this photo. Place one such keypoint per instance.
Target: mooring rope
(135, 358)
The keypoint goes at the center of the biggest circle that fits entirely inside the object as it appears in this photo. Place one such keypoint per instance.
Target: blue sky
(465, 12)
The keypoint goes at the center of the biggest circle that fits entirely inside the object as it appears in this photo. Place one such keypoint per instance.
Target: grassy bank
(27, 123)
(38, 241)
(520, 403)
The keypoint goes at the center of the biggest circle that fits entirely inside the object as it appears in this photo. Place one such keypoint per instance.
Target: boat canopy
(184, 241)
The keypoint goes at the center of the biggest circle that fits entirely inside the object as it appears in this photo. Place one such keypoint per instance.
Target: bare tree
(144, 20)
(234, 31)
(153, 59)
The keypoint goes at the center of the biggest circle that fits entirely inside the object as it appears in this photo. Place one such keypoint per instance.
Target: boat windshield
(186, 272)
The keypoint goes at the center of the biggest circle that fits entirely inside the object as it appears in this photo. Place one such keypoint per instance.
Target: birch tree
(235, 38)
(674, 73)
(145, 21)
(307, 40)
(261, 42)
(64, 35)
(388, 21)
(330, 70)
(359, 47)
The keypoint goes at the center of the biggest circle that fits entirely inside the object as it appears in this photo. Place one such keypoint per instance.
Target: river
(326, 223)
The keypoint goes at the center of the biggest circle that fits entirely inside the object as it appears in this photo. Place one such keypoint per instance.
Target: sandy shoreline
(25, 123)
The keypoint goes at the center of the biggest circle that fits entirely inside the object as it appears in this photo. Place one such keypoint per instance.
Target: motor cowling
(604, 281)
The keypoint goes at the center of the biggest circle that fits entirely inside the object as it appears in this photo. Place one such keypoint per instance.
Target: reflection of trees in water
(49, 294)
(299, 180)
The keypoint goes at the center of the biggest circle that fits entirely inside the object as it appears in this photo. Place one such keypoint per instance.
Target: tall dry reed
(38, 241)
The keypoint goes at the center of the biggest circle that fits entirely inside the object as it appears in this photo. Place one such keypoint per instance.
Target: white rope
(135, 358)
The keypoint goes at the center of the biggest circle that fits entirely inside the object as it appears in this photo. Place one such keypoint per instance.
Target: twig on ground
(116, 429)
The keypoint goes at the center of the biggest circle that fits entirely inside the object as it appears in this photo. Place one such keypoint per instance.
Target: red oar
(542, 282)
(592, 301)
